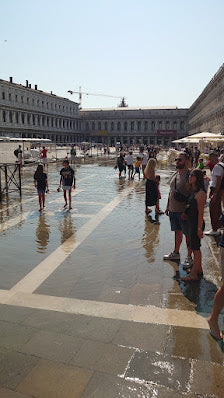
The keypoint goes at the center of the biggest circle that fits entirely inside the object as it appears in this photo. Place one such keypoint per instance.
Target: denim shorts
(176, 223)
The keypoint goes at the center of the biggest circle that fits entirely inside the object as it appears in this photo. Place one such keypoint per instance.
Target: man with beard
(175, 208)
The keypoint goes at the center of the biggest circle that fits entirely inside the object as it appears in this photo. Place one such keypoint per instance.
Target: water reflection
(67, 230)
(42, 234)
(150, 239)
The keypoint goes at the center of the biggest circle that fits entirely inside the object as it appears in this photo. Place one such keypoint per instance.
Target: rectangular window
(3, 95)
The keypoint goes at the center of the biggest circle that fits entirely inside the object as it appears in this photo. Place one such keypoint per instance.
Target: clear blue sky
(153, 52)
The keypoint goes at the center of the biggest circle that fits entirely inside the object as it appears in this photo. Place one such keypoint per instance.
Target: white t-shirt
(217, 171)
(144, 158)
(129, 160)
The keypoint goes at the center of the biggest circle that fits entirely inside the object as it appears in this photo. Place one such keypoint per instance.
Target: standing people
(73, 154)
(176, 206)
(40, 182)
(218, 302)
(129, 161)
(44, 156)
(121, 164)
(195, 212)
(67, 180)
(215, 195)
(19, 154)
(137, 167)
(151, 185)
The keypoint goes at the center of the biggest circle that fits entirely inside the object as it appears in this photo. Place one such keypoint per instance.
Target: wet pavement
(88, 307)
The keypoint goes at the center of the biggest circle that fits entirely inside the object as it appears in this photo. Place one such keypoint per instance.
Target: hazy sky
(153, 52)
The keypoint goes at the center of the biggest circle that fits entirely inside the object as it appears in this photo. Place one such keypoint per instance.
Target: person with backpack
(215, 195)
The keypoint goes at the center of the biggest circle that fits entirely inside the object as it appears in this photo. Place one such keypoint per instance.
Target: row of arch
(30, 119)
(134, 125)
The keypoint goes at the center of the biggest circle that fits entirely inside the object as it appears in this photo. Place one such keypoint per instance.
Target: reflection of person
(67, 180)
(44, 156)
(73, 154)
(218, 302)
(150, 240)
(67, 230)
(151, 186)
(40, 182)
(195, 212)
(42, 234)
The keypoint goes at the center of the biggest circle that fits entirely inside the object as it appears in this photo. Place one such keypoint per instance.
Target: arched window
(112, 126)
(153, 125)
(4, 116)
(43, 120)
(160, 125)
(167, 125)
(10, 96)
(146, 125)
(174, 124)
(125, 126)
(47, 121)
(17, 117)
(22, 99)
(132, 126)
(105, 125)
(182, 125)
(3, 95)
(139, 125)
(99, 125)
(34, 120)
(87, 126)
(28, 118)
(118, 126)
(22, 117)
(10, 116)
(93, 126)
(38, 120)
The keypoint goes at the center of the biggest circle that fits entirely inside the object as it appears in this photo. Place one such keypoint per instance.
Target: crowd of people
(185, 205)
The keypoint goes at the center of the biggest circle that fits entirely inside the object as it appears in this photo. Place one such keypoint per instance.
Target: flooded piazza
(85, 296)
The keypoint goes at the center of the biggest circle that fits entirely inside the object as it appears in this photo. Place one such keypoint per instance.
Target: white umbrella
(204, 136)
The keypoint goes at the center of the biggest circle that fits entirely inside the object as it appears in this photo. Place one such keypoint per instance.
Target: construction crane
(81, 93)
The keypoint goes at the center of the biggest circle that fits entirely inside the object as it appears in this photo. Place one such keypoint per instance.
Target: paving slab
(53, 346)
(107, 386)
(194, 344)
(14, 366)
(51, 379)
(207, 378)
(114, 359)
(142, 336)
(5, 393)
(14, 314)
(160, 369)
(14, 335)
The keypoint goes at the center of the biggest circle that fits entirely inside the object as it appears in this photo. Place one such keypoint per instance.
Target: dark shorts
(137, 170)
(41, 191)
(176, 223)
(130, 167)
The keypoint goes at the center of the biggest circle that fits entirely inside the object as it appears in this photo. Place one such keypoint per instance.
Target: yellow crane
(81, 93)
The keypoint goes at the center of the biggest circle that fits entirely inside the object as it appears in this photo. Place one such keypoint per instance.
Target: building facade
(31, 113)
(207, 112)
(149, 126)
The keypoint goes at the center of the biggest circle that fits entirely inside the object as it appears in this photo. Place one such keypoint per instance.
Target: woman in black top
(195, 212)
(40, 182)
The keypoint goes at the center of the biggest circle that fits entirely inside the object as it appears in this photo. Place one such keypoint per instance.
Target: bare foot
(66, 204)
(70, 208)
(40, 208)
(214, 329)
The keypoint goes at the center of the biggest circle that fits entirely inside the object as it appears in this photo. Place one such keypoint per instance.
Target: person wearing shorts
(67, 180)
(175, 209)
(44, 156)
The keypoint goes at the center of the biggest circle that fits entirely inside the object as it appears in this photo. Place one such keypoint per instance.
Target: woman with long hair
(40, 182)
(151, 184)
(195, 212)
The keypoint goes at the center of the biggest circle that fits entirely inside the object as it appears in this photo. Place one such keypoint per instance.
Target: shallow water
(113, 253)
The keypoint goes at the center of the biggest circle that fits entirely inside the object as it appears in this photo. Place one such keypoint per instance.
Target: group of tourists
(185, 208)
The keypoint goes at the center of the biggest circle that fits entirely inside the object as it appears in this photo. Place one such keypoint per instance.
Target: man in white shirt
(215, 195)
(129, 162)
(144, 160)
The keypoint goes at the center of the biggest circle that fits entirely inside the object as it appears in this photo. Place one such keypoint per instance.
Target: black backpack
(16, 152)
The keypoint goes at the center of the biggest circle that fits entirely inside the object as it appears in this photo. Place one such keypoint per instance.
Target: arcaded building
(207, 112)
(149, 126)
(32, 113)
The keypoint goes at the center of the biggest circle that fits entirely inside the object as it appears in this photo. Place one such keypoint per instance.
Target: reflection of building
(29, 112)
(207, 112)
(133, 125)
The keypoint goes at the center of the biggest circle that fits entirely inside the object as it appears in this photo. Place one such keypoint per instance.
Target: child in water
(40, 182)
(137, 167)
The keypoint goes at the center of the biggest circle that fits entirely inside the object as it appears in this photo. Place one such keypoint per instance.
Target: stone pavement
(98, 314)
